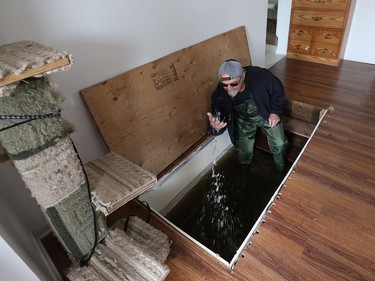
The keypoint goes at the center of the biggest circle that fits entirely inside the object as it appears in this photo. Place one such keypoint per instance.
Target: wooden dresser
(319, 30)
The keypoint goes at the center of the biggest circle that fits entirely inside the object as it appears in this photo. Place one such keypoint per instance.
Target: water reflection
(220, 210)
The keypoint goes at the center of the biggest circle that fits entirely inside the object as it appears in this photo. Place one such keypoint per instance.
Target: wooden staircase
(137, 254)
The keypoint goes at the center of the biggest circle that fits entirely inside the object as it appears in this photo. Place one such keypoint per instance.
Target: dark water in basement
(220, 210)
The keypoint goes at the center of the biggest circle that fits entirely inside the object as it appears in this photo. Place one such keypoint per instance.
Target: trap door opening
(172, 215)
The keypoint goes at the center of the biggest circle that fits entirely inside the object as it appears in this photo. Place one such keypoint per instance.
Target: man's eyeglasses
(234, 84)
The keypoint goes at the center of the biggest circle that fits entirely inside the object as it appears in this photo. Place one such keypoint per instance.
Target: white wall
(282, 28)
(12, 266)
(105, 38)
(361, 42)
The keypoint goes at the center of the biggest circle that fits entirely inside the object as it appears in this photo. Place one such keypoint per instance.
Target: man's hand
(273, 119)
(215, 122)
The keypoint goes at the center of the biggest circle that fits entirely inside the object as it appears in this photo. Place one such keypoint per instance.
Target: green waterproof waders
(247, 121)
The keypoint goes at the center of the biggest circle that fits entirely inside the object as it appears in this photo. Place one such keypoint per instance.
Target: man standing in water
(247, 98)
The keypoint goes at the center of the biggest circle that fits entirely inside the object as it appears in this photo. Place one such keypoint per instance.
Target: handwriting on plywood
(164, 77)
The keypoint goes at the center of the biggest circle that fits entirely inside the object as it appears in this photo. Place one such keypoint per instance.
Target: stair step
(122, 257)
(155, 241)
(114, 181)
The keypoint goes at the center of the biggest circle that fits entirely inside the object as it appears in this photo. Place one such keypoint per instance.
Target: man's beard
(232, 93)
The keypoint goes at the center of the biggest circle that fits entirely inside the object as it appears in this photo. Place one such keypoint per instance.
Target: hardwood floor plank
(278, 259)
(311, 187)
(359, 164)
(330, 229)
(333, 264)
(361, 143)
(281, 234)
(368, 100)
(353, 251)
(357, 188)
(332, 154)
(253, 268)
(314, 169)
(348, 225)
(302, 204)
(365, 124)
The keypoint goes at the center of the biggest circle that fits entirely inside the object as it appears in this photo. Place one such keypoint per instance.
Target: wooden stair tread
(114, 181)
(121, 257)
(301, 118)
(34, 71)
(23, 59)
(298, 127)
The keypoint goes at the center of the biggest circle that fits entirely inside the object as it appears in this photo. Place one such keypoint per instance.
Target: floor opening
(221, 209)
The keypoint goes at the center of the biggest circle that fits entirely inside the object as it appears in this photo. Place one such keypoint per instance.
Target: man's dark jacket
(266, 90)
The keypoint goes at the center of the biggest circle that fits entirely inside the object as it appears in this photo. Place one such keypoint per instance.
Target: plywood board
(154, 113)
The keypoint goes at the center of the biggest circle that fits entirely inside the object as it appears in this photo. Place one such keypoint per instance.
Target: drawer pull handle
(322, 50)
(317, 18)
(319, 1)
(300, 33)
(300, 47)
(328, 36)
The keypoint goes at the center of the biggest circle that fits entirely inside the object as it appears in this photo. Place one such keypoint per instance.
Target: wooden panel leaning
(155, 112)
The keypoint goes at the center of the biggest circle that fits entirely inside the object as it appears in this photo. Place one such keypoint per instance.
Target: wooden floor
(322, 227)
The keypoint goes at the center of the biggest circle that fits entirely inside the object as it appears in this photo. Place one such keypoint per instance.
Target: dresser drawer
(297, 32)
(327, 36)
(325, 50)
(299, 46)
(321, 4)
(318, 18)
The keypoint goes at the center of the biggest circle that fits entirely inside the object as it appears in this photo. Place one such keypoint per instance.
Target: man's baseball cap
(231, 68)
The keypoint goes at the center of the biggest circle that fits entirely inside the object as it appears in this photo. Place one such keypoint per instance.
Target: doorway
(278, 17)
(271, 37)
